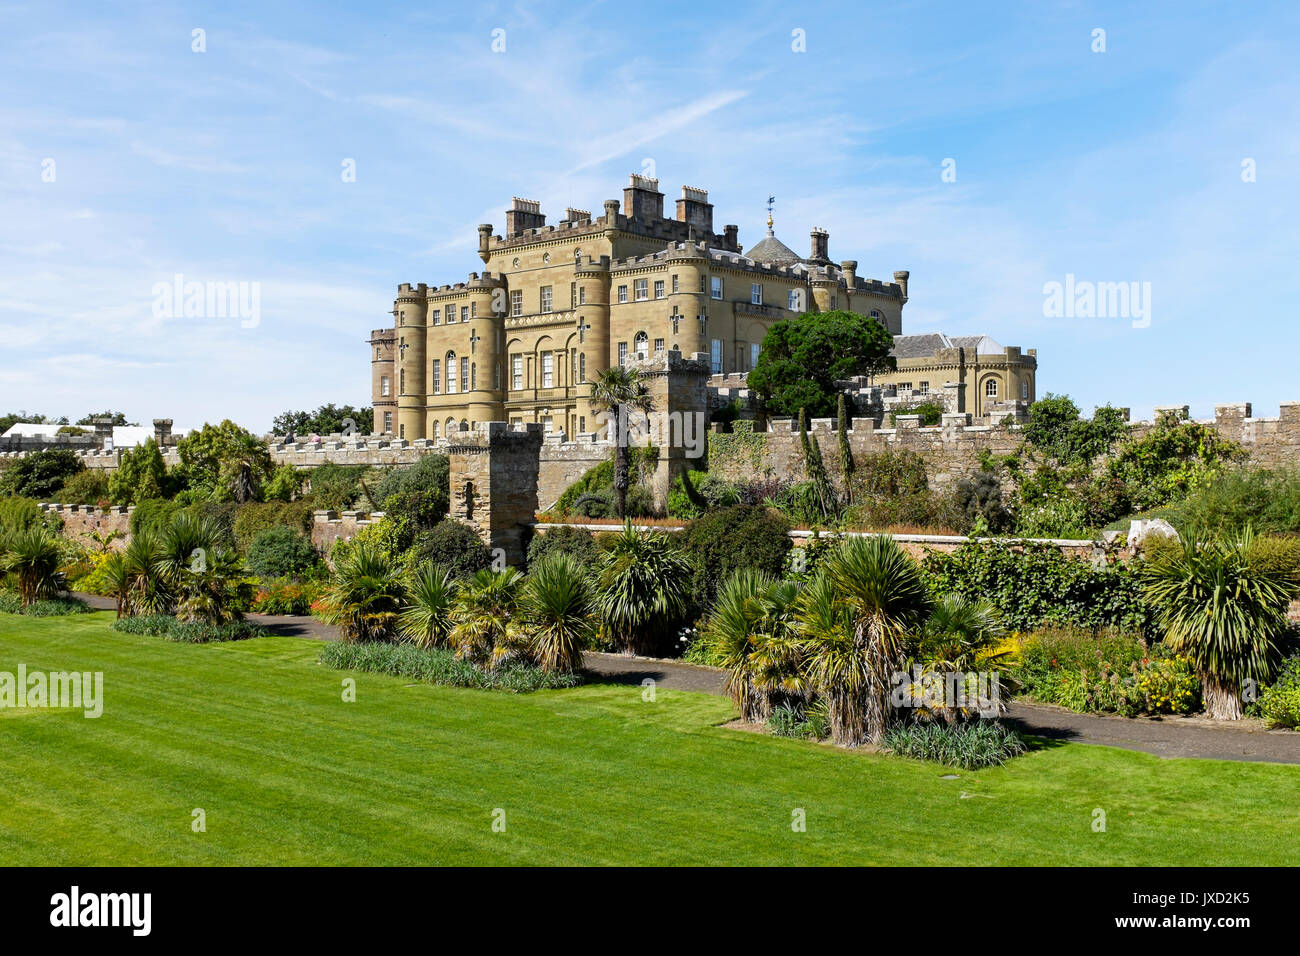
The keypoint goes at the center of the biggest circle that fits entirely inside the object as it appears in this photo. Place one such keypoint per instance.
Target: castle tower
(411, 308)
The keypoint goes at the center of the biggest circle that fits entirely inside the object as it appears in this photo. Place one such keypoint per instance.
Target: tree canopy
(327, 420)
(803, 358)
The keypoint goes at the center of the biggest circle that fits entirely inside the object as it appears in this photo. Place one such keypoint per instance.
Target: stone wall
(80, 520)
(494, 481)
(331, 526)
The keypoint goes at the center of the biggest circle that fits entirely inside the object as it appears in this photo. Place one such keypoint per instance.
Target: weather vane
(770, 201)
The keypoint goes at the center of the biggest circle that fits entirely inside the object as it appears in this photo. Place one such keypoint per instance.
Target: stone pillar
(493, 477)
(103, 432)
(680, 419)
(162, 432)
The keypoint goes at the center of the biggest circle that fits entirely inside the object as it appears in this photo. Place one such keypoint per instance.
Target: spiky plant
(559, 607)
(148, 590)
(204, 576)
(487, 620)
(118, 582)
(618, 392)
(733, 629)
(642, 590)
(426, 621)
(779, 661)
(1222, 602)
(366, 595)
(32, 556)
(857, 616)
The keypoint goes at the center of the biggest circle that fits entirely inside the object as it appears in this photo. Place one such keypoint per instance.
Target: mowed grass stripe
(256, 733)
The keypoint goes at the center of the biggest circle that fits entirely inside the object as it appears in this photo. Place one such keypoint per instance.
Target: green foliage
(336, 487)
(141, 475)
(285, 484)
(931, 413)
(442, 666)
(1268, 501)
(742, 447)
(1035, 585)
(153, 515)
(1223, 604)
(1056, 430)
(409, 514)
(32, 557)
(281, 552)
(225, 462)
(578, 542)
(1170, 462)
(803, 358)
(1104, 672)
(426, 621)
(118, 419)
(799, 720)
(978, 498)
(644, 583)
(966, 746)
(191, 632)
(430, 474)
(366, 595)
(1279, 705)
(593, 495)
(39, 474)
(19, 514)
(328, 419)
(284, 596)
(726, 540)
(87, 487)
(822, 493)
(252, 519)
(453, 545)
(559, 608)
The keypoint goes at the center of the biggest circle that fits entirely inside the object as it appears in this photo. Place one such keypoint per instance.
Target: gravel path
(1163, 737)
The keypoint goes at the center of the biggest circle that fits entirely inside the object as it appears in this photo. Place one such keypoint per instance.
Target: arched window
(434, 429)
(641, 345)
(450, 427)
(451, 373)
(991, 388)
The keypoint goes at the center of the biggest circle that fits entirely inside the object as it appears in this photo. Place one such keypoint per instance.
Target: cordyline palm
(486, 613)
(559, 607)
(366, 596)
(857, 616)
(957, 640)
(204, 577)
(749, 630)
(618, 391)
(32, 556)
(1222, 603)
(148, 590)
(642, 590)
(117, 582)
(427, 622)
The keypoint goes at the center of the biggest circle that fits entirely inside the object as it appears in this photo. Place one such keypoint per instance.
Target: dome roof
(773, 250)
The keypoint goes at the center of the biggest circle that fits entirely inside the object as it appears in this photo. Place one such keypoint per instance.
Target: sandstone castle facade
(556, 304)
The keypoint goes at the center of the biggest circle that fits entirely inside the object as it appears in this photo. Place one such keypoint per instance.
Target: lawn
(257, 735)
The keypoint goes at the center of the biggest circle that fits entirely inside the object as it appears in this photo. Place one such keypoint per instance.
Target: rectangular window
(516, 372)
(717, 287)
(717, 356)
(516, 301)
(640, 289)
(756, 293)
(383, 386)
(473, 309)
(473, 376)
(659, 288)
(674, 282)
(582, 296)
(622, 293)
(546, 298)
(925, 388)
(573, 294)
(795, 300)
(437, 316)
(1024, 389)
(676, 324)
(622, 353)
(464, 313)
(464, 373)
(582, 368)
(451, 375)
(754, 349)
(388, 423)
(547, 423)
(659, 345)
(548, 369)
(582, 424)
(437, 377)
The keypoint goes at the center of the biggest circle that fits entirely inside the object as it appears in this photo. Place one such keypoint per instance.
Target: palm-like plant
(959, 634)
(426, 621)
(32, 556)
(559, 608)
(619, 391)
(857, 615)
(118, 582)
(365, 598)
(147, 586)
(642, 589)
(487, 619)
(733, 629)
(1222, 603)
(203, 575)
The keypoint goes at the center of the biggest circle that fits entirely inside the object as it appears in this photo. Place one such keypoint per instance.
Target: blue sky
(1122, 166)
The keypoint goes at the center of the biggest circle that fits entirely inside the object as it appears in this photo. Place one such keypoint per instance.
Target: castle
(555, 305)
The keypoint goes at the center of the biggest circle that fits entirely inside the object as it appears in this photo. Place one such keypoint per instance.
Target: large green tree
(140, 475)
(40, 474)
(618, 393)
(803, 358)
(225, 461)
(328, 419)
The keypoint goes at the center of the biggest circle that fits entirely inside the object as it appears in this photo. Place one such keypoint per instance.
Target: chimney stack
(162, 432)
(821, 241)
(850, 268)
(642, 199)
(694, 209)
(522, 215)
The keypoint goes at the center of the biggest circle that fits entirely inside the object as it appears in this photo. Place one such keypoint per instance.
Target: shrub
(1269, 501)
(1035, 585)
(255, 517)
(642, 592)
(452, 544)
(153, 516)
(430, 473)
(336, 487)
(39, 474)
(204, 632)
(802, 721)
(280, 552)
(931, 413)
(441, 666)
(57, 607)
(578, 542)
(1279, 704)
(978, 498)
(152, 625)
(87, 487)
(19, 514)
(967, 746)
(286, 597)
(741, 536)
